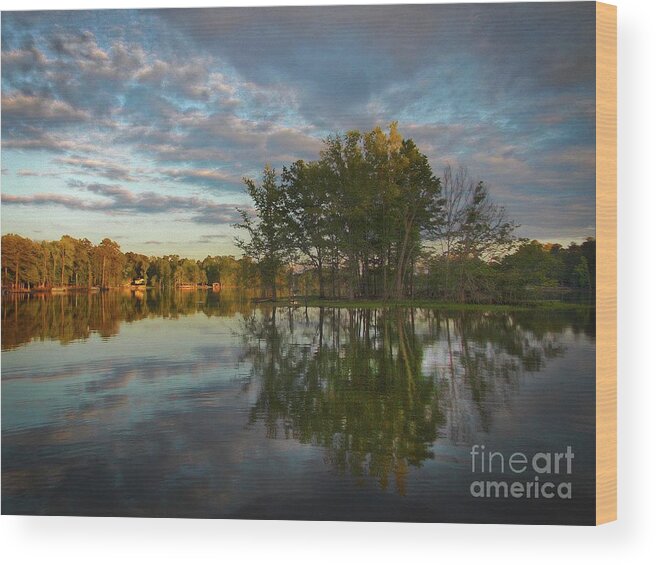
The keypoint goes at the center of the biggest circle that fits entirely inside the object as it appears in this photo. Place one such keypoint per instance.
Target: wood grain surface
(606, 175)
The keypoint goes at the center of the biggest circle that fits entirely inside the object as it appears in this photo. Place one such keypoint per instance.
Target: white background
(631, 538)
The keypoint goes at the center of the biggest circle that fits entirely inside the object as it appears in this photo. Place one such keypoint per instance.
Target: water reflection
(213, 406)
(352, 383)
(75, 316)
(376, 388)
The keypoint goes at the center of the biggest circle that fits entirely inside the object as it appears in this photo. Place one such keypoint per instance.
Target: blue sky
(140, 124)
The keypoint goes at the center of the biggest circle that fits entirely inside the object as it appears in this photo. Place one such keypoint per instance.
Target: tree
(306, 189)
(380, 196)
(532, 265)
(486, 230)
(417, 207)
(582, 273)
(350, 206)
(470, 226)
(82, 262)
(67, 255)
(268, 241)
(109, 263)
(20, 260)
(136, 266)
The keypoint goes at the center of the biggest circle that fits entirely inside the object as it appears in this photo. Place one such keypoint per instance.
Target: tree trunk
(333, 270)
(400, 268)
(365, 275)
(447, 271)
(386, 260)
(412, 280)
(322, 292)
(354, 279)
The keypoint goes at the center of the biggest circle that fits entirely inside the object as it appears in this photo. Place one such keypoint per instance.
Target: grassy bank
(435, 304)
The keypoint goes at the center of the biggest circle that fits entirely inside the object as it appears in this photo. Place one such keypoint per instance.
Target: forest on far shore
(534, 270)
(368, 220)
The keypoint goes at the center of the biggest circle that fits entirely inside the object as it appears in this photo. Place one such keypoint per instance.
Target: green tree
(582, 273)
(109, 263)
(417, 207)
(306, 188)
(268, 240)
(20, 260)
(532, 264)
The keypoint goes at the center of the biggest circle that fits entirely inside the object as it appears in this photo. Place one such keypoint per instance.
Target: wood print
(316, 263)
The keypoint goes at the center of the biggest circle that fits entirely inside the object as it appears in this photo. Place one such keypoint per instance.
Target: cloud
(201, 97)
(213, 238)
(41, 141)
(212, 177)
(119, 200)
(36, 109)
(30, 173)
(22, 61)
(39, 122)
(70, 202)
(243, 143)
(189, 79)
(338, 58)
(98, 167)
(78, 45)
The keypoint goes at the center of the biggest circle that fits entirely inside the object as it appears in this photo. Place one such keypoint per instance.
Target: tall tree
(417, 207)
(268, 240)
(350, 206)
(20, 257)
(306, 188)
(470, 226)
(110, 263)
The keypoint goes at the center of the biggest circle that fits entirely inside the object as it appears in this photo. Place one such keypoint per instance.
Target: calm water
(198, 405)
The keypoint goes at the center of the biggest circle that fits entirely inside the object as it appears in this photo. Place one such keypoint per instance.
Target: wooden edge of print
(606, 264)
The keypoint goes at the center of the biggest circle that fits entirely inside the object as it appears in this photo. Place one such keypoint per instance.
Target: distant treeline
(370, 219)
(77, 263)
(71, 262)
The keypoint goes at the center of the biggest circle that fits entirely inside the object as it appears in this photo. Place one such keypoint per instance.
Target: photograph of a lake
(300, 263)
(205, 404)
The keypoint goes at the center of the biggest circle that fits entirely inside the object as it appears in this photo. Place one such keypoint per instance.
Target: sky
(139, 125)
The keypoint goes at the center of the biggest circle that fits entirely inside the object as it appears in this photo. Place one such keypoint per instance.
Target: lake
(200, 404)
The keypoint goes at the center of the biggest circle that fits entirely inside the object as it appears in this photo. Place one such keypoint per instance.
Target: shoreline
(426, 303)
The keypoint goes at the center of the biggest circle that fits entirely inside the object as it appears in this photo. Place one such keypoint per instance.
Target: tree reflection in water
(76, 316)
(377, 387)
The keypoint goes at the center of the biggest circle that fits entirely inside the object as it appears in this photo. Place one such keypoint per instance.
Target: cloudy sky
(139, 125)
